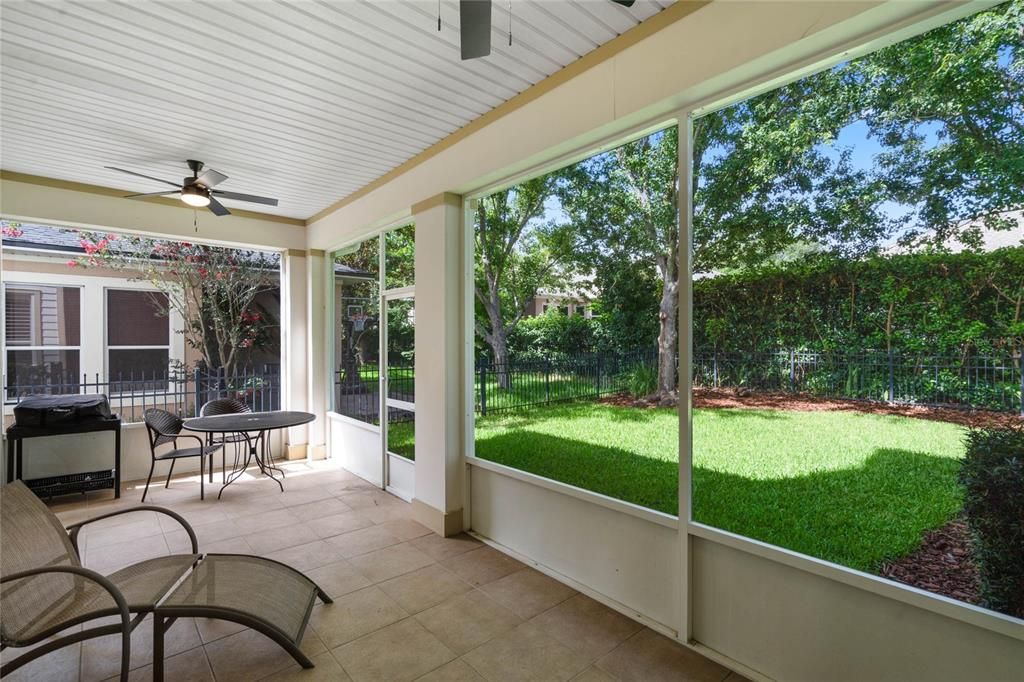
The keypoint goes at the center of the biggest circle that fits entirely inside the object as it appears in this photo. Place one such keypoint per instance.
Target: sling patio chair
(45, 589)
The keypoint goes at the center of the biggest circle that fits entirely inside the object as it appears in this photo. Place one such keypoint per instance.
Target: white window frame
(31, 287)
(92, 347)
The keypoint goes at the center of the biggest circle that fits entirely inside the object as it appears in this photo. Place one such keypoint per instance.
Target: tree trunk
(668, 339)
(499, 348)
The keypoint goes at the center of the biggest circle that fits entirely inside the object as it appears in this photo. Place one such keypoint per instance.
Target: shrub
(993, 476)
(552, 334)
(640, 380)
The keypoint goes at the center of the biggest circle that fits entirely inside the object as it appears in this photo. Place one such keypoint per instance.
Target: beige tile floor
(408, 605)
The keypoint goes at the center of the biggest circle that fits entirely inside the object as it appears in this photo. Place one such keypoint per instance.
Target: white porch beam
(440, 462)
(34, 199)
(295, 346)
(318, 371)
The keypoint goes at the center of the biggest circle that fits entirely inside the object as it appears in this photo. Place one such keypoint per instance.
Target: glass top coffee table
(253, 427)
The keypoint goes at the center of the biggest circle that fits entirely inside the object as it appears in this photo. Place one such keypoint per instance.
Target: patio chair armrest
(87, 573)
(75, 528)
(204, 447)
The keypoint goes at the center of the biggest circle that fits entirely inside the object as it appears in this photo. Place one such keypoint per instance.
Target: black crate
(72, 483)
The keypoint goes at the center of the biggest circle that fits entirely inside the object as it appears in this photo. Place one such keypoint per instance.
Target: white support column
(440, 462)
(318, 382)
(294, 347)
(684, 265)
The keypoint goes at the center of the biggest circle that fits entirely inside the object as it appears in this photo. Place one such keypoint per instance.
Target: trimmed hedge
(933, 304)
(993, 476)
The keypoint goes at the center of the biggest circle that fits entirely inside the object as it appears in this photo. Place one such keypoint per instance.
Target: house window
(138, 340)
(42, 331)
(563, 310)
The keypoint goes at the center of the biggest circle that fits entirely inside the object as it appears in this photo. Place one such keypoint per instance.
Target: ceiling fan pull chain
(439, 16)
(510, 23)
(195, 220)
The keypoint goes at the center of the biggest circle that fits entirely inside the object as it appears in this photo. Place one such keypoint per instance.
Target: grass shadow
(742, 412)
(857, 517)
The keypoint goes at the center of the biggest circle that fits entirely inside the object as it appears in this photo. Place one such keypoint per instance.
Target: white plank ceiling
(306, 101)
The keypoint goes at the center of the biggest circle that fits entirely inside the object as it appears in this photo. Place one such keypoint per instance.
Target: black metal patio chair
(220, 406)
(45, 589)
(164, 427)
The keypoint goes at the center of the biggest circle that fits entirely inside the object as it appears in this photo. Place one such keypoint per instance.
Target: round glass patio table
(254, 427)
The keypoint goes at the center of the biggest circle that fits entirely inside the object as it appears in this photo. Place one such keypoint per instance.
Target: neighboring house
(990, 240)
(566, 304)
(64, 325)
(577, 299)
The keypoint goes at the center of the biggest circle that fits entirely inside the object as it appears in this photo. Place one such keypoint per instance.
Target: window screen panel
(134, 318)
(42, 315)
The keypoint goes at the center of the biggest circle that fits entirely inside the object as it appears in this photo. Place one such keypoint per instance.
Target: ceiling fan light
(195, 196)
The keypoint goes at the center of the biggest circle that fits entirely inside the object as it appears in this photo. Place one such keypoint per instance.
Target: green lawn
(851, 488)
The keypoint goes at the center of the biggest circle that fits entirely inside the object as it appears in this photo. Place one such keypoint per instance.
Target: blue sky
(854, 137)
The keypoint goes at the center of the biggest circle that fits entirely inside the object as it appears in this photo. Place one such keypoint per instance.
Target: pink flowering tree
(9, 228)
(213, 289)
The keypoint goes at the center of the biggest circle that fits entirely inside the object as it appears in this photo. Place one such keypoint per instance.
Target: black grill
(72, 483)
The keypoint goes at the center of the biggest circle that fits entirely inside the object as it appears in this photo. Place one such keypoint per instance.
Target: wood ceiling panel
(304, 101)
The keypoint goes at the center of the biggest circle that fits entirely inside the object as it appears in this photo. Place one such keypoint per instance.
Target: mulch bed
(725, 398)
(941, 565)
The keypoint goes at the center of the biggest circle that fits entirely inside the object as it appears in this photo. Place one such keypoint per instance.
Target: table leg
(10, 459)
(268, 469)
(19, 461)
(237, 473)
(268, 459)
(117, 462)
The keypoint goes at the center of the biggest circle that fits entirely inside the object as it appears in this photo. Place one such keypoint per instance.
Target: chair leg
(211, 467)
(169, 473)
(126, 652)
(158, 649)
(149, 478)
(202, 475)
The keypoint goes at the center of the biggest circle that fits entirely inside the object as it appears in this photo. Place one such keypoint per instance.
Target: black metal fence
(357, 392)
(968, 382)
(180, 392)
(524, 383)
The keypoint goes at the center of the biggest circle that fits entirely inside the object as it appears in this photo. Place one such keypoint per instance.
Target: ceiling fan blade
(211, 178)
(625, 3)
(217, 208)
(153, 194)
(475, 28)
(251, 198)
(148, 177)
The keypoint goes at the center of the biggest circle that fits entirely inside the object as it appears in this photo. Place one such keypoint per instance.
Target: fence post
(483, 388)
(1020, 366)
(792, 368)
(547, 382)
(714, 369)
(197, 399)
(598, 373)
(892, 377)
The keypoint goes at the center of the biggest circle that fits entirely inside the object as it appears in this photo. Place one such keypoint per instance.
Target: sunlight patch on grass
(852, 488)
